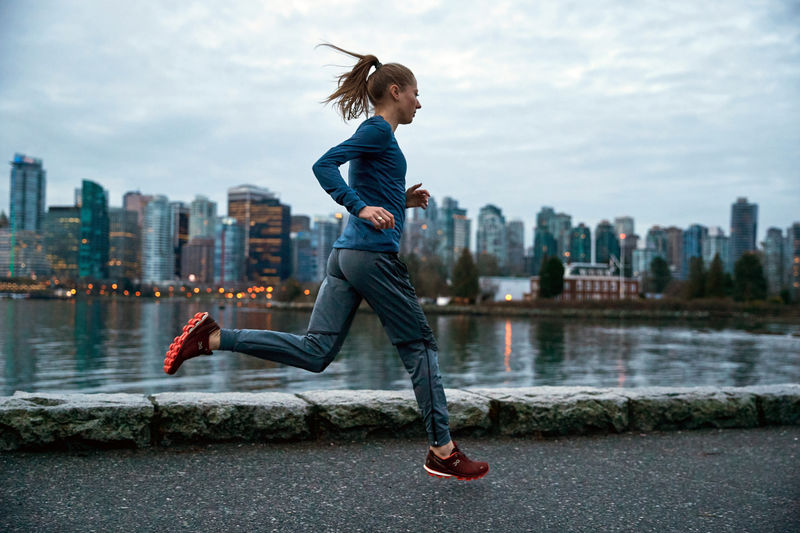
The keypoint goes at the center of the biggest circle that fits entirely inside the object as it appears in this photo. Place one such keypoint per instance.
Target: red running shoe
(193, 341)
(457, 465)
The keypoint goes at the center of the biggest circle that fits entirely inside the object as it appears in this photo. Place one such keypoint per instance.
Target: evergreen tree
(465, 277)
(551, 279)
(749, 282)
(715, 280)
(696, 285)
(659, 274)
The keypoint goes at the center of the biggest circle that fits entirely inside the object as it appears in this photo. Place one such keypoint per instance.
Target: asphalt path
(705, 480)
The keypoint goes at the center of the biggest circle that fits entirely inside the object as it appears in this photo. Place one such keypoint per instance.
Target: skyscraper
(561, 228)
(124, 244)
(324, 233)
(628, 240)
(717, 243)
(657, 241)
(136, 201)
(179, 215)
(580, 244)
(544, 245)
(27, 194)
(774, 260)
(93, 251)
(606, 243)
(693, 239)
(158, 261)
(62, 240)
(675, 250)
(453, 230)
(491, 235)
(267, 225)
(515, 245)
(744, 221)
(202, 218)
(229, 258)
(197, 261)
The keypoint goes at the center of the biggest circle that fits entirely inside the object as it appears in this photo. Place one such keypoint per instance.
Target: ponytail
(358, 88)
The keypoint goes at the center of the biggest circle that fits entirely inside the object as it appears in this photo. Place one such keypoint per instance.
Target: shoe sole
(442, 475)
(177, 343)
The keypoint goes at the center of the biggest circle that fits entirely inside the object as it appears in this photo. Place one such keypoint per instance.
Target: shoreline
(46, 421)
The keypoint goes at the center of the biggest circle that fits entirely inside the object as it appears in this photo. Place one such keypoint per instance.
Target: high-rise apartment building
(229, 257)
(515, 248)
(453, 230)
(179, 216)
(62, 240)
(197, 261)
(22, 254)
(93, 251)
(27, 194)
(267, 235)
(744, 222)
(693, 239)
(136, 201)
(324, 233)
(202, 218)
(792, 252)
(675, 250)
(491, 234)
(606, 243)
(774, 260)
(158, 255)
(716, 243)
(544, 245)
(420, 234)
(580, 244)
(124, 244)
(656, 240)
(561, 228)
(628, 241)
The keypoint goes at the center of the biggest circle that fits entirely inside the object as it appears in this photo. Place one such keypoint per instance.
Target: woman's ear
(394, 90)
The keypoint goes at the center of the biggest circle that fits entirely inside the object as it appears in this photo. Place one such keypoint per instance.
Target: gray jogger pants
(382, 280)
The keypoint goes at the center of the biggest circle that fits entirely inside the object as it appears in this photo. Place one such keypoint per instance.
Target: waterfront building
(179, 216)
(301, 223)
(197, 261)
(27, 251)
(137, 202)
(515, 248)
(657, 241)
(544, 245)
(744, 222)
(229, 256)
(93, 250)
(202, 218)
(453, 230)
(304, 260)
(693, 239)
(27, 194)
(580, 244)
(606, 243)
(503, 288)
(267, 224)
(325, 232)
(591, 282)
(792, 253)
(774, 260)
(158, 261)
(124, 244)
(717, 243)
(491, 235)
(675, 250)
(62, 237)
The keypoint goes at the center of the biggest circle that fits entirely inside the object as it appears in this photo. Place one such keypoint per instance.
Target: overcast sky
(666, 111)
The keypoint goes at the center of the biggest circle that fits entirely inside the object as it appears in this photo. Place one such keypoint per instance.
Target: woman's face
(408, 103)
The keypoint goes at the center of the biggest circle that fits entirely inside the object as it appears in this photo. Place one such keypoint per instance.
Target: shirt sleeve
(368, 139)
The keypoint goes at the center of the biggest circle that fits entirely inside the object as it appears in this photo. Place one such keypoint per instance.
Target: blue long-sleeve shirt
(377, 177)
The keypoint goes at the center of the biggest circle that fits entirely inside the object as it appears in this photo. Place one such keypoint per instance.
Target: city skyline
(602, 111)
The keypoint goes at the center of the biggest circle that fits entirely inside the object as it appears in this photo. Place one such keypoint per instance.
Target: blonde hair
(357, 89)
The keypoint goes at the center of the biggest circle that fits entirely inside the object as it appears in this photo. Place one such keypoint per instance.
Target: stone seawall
(51, 421)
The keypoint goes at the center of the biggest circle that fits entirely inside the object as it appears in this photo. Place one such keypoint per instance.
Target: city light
(306, 292)
(508, 297)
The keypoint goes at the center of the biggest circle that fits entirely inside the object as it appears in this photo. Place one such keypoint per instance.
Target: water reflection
(118, 346)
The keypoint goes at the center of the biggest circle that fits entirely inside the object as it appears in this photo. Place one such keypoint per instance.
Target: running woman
(364, 263)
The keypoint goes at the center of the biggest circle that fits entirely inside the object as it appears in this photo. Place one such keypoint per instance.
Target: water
(104, 345)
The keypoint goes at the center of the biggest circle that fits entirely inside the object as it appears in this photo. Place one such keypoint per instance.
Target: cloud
(665, 112)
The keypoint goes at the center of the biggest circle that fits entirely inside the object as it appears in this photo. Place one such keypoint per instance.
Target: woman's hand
(380, 217)
(416, 197)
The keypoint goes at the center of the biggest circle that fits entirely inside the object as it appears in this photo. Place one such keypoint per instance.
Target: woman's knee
(322, 350)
